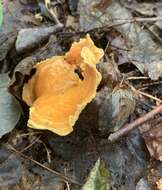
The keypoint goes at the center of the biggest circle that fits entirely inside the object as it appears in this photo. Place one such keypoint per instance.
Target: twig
(47, 151)
(119, 22)
(30, 145)
(65, 178)
(39, 141)
(145, 94)
(149, 96)
(144, 86)
(67, 185)
(139, 19)
(137, 78)
(29, 133)
(123, 49)
(125, 130)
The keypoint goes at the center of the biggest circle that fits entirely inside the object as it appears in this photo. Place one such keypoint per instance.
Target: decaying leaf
(116, 108)
(62, 86)
(13, 12)
(98, 178)
(153, 140)
(143, 51)
(11, 169)
(6, 42)
(9, 107)
(29, 38)
(17, 174)
(22, 69)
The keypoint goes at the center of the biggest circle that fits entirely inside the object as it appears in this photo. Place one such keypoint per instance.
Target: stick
(140, 19)
(127, 128)
(137, 78)
(149, 96)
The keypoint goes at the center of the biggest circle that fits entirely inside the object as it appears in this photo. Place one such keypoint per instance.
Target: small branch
(125, 130)
(149, 96)
(145, 94)
(65, 178)
(137, 78)
(140, 19)
(146, 85)
(30, 145)
(118, 22)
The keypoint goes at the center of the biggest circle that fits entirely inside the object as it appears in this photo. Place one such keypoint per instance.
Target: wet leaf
(125, 167)
(48, 180)
(31, 37)
(17, 174)
(98, 178)
(9, 107)
(115, 109)
(10, 169)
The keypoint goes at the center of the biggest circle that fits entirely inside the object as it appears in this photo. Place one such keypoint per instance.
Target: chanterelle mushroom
(62, 86)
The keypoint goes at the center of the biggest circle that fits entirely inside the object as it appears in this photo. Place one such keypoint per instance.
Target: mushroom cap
(62, 86)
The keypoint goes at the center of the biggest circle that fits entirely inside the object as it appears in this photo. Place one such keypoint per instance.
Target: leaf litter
(129, 32)
(9, 107)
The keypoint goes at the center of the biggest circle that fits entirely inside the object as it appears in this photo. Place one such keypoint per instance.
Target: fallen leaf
(22, 70)
(98, 178)
(6, 42)
(10, 110)
(116, 109)
(30, 37)
(143, 52)
(144, 8)
(153, 140)
(17, 174)
(13, 12)
(11, 169)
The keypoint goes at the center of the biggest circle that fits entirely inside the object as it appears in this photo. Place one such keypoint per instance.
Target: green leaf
(98, 178)
(10, 109)
(1, 13)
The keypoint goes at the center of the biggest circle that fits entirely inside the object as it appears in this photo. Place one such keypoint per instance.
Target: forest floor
(129, 96)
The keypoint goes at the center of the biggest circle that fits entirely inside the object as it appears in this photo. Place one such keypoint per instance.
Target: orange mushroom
(159, 184)
(62, 86)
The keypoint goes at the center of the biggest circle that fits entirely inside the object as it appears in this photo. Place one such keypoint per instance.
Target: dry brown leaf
(153, 140)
